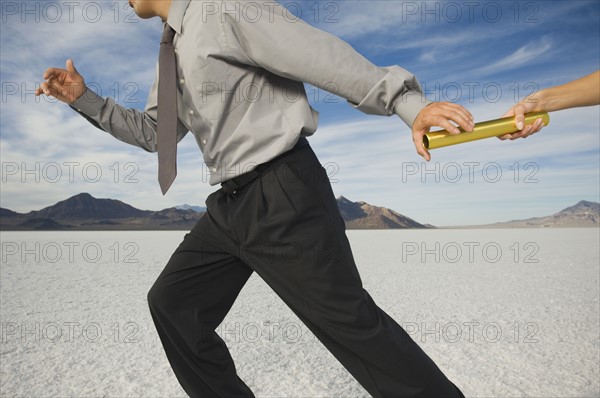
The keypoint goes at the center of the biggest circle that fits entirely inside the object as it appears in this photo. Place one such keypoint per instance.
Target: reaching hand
(439, 114)
(65, 85)
(584, 91)
(529, 104)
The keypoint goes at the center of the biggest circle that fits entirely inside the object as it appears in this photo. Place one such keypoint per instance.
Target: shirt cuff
(409, 105)
(396, 92)
(89, 103)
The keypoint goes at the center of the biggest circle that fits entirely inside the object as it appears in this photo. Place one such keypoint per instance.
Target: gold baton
(491, 128)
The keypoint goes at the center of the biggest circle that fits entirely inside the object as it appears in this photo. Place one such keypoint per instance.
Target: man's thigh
(203, 275)
(293, 236)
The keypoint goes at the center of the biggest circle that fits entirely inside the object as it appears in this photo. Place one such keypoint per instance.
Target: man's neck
(162, 9)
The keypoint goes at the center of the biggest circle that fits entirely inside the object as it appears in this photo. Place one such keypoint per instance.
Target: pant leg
(291, 233)
(189, 299)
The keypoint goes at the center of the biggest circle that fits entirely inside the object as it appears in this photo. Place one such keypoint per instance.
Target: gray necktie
(167, 111)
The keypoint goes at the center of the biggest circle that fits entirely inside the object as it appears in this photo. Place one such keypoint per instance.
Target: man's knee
(159, 296)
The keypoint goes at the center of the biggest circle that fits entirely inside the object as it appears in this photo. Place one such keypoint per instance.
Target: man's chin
(135, 7)
(141, 15)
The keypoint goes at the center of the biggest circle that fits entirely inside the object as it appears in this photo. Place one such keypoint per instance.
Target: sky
(484, 55)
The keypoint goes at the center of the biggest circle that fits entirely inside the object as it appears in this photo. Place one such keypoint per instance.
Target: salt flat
(504, 313)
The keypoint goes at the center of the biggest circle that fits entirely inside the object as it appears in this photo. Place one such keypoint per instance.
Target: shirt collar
(176, 12)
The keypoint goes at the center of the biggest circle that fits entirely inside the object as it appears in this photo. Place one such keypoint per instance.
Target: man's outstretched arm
(128, 125)
(294, 49)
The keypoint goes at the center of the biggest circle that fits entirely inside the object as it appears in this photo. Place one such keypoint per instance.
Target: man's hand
(439, 114)
(65, 85)
(529, 104)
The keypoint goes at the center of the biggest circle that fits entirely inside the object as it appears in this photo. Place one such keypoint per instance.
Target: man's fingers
(449, 110)
(52, 72)
(52, 90)
(461, 110)
(466, 124)
(446, 125)
(45, 87)
(58, 88)
(55, 86)
(456, 113)
(421, 149)
(418, 141)
(71, 67)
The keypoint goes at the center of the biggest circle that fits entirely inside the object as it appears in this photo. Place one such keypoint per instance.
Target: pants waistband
(233, 184)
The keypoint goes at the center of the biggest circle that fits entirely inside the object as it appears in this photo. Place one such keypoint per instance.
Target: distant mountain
(84, 212)
(582, 214)
(361, 215)
(185, 206)
(175, 216)
(8, 213)
(85, 207)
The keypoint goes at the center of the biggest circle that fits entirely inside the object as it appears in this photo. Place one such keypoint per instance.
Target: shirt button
(79, 110)
(204, 142)
(181, 81)
(191, 111)
(213, 169)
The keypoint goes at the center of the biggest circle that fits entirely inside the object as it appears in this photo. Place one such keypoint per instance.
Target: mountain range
(84, 212)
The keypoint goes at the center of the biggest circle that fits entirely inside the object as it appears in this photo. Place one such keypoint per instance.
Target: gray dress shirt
(241, 67)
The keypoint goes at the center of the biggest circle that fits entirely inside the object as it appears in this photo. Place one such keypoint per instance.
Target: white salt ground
(504, 313)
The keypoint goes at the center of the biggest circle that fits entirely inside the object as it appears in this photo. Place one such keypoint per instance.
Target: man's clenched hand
(439, 114)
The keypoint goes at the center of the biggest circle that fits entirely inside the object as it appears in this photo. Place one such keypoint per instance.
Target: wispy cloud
(524, 55)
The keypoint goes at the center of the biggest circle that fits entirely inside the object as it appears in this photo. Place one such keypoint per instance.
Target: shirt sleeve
(289, 47)
(126, 124)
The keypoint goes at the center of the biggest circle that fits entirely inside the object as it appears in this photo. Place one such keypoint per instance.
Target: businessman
(237, 84)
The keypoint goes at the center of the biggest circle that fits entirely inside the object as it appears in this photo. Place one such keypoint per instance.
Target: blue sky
(484, 55)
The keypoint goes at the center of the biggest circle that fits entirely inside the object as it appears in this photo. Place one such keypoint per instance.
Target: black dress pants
(286, 226)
